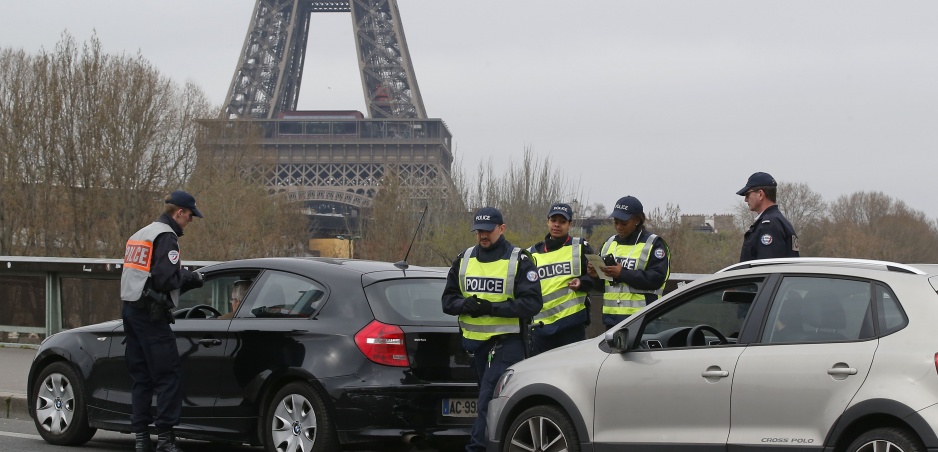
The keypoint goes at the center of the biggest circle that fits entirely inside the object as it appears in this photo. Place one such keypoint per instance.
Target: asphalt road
(18, 433)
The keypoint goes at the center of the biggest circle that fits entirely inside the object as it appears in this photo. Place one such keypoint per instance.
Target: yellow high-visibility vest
(492, 281)
(622, 299)
(555, 269)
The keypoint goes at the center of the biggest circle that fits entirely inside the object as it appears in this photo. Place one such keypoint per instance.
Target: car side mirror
(618, 340)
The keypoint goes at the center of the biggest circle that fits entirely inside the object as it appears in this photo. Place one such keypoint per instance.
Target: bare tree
(693, 251)
(523, 194)
(91, 139)
(872, 225)
(241, 219)
(389, 228)
(800, 204)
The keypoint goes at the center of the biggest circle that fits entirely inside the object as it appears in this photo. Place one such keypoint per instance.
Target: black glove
(485, 307)
(199, 279)
(471, 306)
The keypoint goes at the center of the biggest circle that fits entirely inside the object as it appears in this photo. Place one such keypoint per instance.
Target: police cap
(182, 199)
(486, 219)
(561, 209)
(626, 207)
(758, 180)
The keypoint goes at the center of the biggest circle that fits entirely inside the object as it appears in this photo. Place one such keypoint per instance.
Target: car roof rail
(830, 261)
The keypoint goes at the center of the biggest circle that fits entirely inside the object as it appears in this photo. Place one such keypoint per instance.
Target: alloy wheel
(294, 424)
(538, 434)
(55, 403)
(880, 445)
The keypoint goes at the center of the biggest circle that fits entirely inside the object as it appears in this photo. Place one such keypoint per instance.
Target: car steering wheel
(198, 307)
(699, 329)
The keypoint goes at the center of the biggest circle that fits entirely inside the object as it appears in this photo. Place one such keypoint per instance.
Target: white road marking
(20, 435)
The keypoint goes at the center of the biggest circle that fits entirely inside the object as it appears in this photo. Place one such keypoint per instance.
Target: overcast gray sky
(672, 101)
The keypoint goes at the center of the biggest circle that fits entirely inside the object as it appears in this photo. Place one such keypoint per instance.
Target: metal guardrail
(40, 296)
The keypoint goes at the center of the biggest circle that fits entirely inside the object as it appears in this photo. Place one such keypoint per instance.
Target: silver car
(804, 354)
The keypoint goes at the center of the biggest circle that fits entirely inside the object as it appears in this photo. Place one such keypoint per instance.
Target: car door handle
(842, 371)
(715, 374)
(208, 343)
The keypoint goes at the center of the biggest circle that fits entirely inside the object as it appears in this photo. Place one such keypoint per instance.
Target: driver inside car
(238, 290)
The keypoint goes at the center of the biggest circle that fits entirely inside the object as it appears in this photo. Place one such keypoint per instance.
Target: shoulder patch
(766, 239)
(173, 257)
(659, 253)
(765, 221)
(532, 276)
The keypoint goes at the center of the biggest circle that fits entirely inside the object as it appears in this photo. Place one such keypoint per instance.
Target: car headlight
(502, 382)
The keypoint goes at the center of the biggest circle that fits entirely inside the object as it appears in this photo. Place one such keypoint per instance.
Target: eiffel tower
(335, 159)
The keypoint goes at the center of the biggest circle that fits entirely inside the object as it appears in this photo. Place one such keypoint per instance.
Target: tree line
(863, 225)
(91, 142)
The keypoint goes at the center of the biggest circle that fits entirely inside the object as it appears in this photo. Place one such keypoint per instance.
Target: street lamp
(350, 238)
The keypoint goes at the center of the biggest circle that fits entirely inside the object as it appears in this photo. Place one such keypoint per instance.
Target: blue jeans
(153, 361)
(509, 349)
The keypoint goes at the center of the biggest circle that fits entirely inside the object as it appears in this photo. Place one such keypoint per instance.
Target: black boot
(142, 443)
(166, 442)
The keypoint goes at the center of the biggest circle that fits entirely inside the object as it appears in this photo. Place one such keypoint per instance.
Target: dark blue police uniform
(493, 356)
(571, 328)
(151, 354)
(770, 236)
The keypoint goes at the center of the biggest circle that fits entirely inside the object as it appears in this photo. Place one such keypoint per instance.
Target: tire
(542, 428)
(297, 420)
(59, 410)
(887, 438)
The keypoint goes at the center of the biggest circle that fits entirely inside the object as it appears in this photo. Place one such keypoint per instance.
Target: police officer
(562, 269)
(151, 280)
(771, 235)
(492, 287)
(641, 268)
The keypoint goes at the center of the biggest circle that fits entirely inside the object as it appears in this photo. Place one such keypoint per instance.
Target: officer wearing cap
(152, 279)
(642, 264)
(562, 269)
(771, 235)
(493, 287)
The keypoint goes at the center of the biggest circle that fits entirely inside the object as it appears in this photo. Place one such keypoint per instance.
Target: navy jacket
(770, 236)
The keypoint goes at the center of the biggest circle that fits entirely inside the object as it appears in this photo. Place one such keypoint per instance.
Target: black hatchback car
(321, 353)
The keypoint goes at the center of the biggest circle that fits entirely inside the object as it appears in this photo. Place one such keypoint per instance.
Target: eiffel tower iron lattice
(328, 157)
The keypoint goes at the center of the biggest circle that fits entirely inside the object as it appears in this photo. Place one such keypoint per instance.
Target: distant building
(709, 223)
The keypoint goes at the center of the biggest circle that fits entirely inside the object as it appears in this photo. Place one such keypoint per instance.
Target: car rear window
(411, 301)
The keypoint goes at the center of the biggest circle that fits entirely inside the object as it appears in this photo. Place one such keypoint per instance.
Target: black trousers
(153, 361)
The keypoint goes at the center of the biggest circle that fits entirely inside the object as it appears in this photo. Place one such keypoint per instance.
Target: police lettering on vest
(627, 263)
(557, 269)
(485, 285)
(137, 254)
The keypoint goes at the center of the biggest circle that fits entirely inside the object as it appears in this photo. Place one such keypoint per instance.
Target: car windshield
(412, 301)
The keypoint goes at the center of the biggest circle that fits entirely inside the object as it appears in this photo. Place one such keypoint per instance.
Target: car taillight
(383, 344)
(936, 362)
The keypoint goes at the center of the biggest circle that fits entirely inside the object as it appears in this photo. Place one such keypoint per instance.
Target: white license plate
(460, 407)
